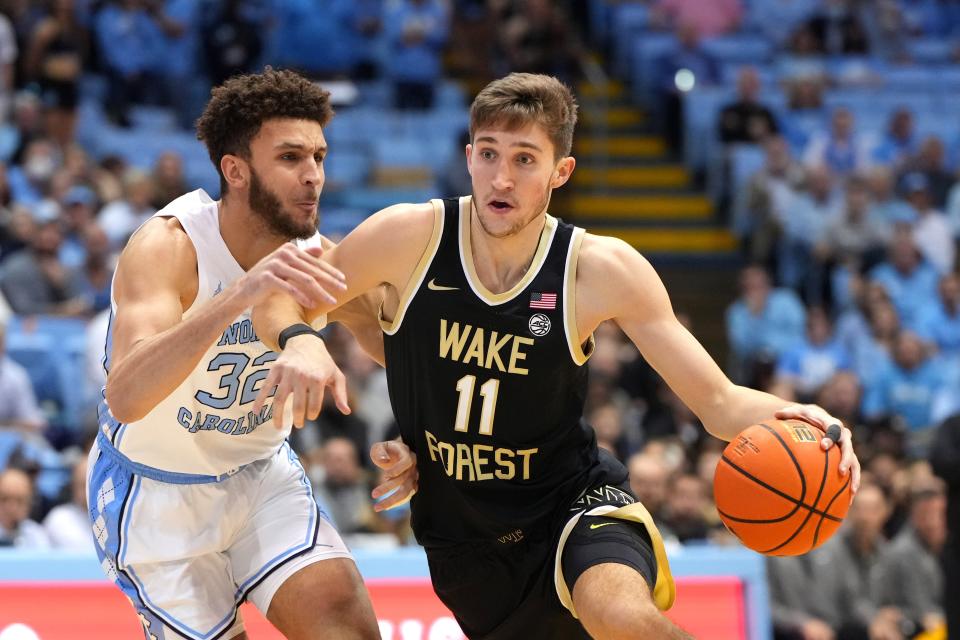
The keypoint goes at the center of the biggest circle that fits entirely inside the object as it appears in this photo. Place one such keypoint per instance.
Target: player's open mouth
(500, 206)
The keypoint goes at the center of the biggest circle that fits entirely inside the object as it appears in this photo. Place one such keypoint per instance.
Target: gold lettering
(464, 461)
(432, 446)
(516, 355)
(479, 460)
(452, 339)
(476, 348)
(501, 456)
(493, 351)
(526, 453)
(450, 459)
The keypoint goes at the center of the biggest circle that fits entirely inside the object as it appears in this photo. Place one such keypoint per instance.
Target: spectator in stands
(17, 227)
(945, 458)
(910, 577)
(366, 26)
(885, 206)
(416, 31)
(808, 216)
(18, 404)
(95, 275)
(539, 38)
(16, 501)
(762, 323)
(68, 525)
(930, 162)
(931, 229)
(841, 395)
(872, 351)
(607, 423)
(886, 30)
(78, 210)
(899, 143)
(686, 510)
(708, 18)
(939, 321)
(844, 567)
(121, 218)
(129, 45)
(669, 417)
(30, 182)
(54, 60)
(746, 120)
(859, 234)
(232, 37)
(343, 487)
(36, 282)
(907, 390)
(650, 480)
(837, 30)
(841, 150)
(803, 368)
(765, 200)
(684, 67)
(168, 180)
(910, 281)
(179, 61)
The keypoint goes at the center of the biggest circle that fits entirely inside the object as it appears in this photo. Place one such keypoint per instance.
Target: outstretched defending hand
(834, 433)
(303, 370)
(400, 475)
(298, 272)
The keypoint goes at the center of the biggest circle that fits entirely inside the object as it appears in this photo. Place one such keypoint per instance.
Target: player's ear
(562, 171)
(235, 170)
(469, 151)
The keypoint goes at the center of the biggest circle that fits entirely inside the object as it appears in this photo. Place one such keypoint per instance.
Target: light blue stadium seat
(346, 167)
(739, 48)
(926, 51)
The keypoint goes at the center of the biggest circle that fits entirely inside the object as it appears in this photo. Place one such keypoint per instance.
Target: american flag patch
(543, 301)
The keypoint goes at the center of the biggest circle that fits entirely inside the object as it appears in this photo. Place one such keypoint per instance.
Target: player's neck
(244, 233)
(501, 262)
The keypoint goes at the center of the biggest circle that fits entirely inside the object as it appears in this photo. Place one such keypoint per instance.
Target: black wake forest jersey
(488, 389)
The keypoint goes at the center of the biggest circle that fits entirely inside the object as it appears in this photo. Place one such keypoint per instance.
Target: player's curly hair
(239, 107)
(521, 98)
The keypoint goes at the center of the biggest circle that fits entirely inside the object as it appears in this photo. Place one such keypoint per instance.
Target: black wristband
(296, 330)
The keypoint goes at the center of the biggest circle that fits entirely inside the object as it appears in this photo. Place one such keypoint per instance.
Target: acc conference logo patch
(539, 324)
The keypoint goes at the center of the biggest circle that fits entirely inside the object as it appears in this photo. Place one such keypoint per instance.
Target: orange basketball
(778, 491)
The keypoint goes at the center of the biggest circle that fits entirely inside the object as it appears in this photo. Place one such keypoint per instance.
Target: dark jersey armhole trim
(416, 278)
(577, 351)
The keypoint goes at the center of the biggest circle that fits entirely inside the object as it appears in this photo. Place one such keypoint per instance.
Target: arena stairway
(627, 184)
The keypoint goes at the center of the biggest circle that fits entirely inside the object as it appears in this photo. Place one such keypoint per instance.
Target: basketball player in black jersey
(488, 308)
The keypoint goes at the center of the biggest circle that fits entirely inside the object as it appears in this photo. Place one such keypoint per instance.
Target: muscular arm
(360, 317)
(383, 249)
(615, 282)
(153, 348)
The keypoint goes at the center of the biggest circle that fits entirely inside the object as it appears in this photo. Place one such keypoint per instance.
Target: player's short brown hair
(239, 107)
(521, 98)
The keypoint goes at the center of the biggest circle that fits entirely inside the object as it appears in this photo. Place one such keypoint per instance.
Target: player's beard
(266, 204)
(520, 224)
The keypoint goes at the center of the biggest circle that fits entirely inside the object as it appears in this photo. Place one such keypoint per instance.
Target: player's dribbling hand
(295, 271)
(399, 471)
(819, 418)
(303, 370)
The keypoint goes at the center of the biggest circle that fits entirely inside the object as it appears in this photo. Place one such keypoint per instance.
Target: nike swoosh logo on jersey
(602, 524)
(433, 286)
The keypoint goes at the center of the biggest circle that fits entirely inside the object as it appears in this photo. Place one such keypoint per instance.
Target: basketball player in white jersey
(198, 503)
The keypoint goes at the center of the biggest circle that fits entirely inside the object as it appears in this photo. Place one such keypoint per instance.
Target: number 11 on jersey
(488, 391)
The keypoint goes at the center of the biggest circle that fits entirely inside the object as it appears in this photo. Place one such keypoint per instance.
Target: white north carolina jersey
(206, 427)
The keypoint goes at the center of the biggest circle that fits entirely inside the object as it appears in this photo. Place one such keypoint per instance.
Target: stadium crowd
(850, 296)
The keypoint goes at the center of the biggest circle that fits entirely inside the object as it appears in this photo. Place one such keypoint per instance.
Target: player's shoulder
(162, 239)
(606, 253)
